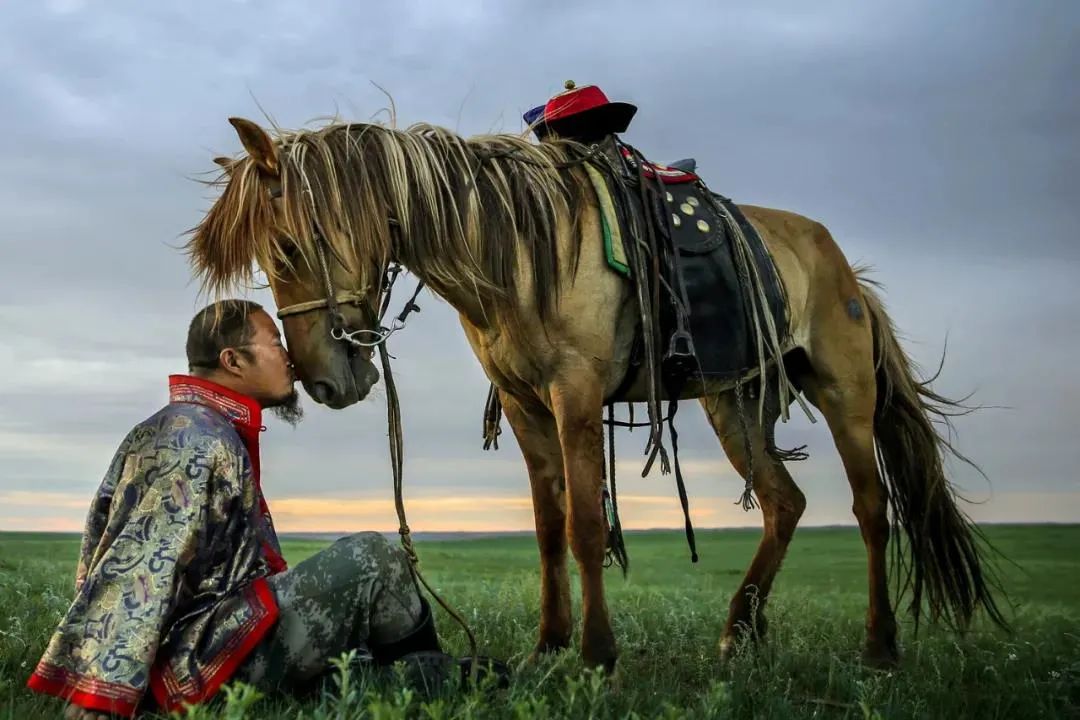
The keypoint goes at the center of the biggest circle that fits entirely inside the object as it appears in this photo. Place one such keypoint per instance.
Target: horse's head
(280, 210)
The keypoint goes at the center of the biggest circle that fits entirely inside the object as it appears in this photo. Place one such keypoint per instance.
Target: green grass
(667, 616)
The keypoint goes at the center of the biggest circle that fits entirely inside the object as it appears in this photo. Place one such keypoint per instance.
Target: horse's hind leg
(539, 441)
(782, 504)
(843, 386)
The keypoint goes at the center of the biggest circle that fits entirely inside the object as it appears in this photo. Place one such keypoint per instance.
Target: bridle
(333, 300)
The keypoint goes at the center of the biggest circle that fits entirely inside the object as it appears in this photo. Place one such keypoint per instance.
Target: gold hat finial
(569, 85)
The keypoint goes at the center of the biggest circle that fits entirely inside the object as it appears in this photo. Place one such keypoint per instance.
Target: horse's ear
(258, 145)
(226, 163)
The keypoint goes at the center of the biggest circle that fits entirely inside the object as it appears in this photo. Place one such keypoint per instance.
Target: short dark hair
(217, 326)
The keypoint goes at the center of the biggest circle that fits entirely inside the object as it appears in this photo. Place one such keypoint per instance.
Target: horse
(507, 232)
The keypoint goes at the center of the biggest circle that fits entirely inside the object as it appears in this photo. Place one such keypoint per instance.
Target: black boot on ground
(430, 671)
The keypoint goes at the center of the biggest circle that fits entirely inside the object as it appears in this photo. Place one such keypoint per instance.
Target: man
(181, 585)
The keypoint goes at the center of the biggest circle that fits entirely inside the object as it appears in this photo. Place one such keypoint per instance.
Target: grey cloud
(939, 143)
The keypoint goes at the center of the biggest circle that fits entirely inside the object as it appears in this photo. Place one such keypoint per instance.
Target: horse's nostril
(323, 392)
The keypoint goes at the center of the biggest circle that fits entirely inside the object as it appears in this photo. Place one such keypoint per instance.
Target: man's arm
(98, 515)
(101, 655)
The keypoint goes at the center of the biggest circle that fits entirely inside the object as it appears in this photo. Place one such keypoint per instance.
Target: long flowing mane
(465, 209)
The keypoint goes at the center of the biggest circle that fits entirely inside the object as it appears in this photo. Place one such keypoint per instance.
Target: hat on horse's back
(580, 113)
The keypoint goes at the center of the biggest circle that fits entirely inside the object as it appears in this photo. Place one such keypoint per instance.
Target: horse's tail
(942, 558)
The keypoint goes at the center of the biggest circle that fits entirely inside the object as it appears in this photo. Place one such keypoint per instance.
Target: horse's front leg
(534, 428)
(577, 402)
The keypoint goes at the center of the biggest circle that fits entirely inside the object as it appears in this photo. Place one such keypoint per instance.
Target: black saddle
(705, 319)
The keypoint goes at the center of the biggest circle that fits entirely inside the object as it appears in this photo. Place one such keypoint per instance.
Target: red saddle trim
(667, 175)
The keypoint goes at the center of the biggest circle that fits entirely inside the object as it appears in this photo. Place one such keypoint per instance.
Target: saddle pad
(609, 221)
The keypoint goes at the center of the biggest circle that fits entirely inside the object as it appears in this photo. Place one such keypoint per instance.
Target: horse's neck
(477, 305)
(462, 299)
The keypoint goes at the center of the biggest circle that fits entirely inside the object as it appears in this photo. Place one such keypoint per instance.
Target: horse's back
(808, 260)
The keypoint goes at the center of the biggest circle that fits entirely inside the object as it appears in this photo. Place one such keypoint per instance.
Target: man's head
(235, 343)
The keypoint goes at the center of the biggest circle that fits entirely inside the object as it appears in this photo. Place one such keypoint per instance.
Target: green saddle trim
(609, 222)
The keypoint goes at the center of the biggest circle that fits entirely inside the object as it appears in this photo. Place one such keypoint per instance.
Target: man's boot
(429, 670)
(422, 638)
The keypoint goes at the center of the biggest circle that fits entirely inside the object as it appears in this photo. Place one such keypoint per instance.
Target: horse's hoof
(881, 655)
(606, 663)
(614, 681)
(599, 651)
(603, 657)
(727, 649)
(733, 634)
(543, 650)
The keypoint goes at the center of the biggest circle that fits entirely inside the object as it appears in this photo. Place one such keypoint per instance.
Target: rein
(393, 414)
(339, 330)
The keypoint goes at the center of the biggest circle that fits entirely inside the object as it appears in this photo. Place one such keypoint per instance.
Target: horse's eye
(289, 250)
(288, 255)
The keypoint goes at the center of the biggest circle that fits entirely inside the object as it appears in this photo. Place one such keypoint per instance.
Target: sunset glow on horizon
(62, 512)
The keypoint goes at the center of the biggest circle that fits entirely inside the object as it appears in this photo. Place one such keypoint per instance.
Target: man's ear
(230, 361)
(258, 144)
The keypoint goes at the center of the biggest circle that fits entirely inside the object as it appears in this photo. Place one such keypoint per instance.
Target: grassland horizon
(667, 614)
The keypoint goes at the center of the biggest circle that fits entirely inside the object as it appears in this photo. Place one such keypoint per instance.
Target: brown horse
(508, 233)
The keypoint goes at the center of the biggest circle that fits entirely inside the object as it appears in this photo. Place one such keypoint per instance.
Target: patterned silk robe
(171, 591)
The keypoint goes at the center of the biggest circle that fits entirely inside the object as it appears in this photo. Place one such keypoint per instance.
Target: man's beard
(288, 409)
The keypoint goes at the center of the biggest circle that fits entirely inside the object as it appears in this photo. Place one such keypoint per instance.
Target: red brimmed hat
(586, 110)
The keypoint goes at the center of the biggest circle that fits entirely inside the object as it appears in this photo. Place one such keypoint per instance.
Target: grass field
(667, 615)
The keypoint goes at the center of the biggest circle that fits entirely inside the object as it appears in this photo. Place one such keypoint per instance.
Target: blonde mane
(464, 209)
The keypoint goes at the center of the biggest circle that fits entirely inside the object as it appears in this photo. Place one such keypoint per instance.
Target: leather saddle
(705, 320)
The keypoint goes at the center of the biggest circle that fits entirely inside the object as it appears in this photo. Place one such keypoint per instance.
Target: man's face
(266, 370)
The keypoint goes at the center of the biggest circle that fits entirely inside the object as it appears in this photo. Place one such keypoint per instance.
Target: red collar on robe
(245, 414)
(243, 411)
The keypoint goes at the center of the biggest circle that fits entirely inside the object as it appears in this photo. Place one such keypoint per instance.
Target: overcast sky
(939, 142)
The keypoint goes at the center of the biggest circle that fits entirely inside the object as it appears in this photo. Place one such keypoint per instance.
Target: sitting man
(181, 585)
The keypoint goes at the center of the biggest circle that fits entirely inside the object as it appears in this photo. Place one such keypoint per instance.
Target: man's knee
(366, 542)
(374, 552)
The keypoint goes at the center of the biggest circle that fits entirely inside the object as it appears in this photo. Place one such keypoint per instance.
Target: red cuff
(83, 691)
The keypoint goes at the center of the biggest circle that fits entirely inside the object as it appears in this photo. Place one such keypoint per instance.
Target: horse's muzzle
(340, 393)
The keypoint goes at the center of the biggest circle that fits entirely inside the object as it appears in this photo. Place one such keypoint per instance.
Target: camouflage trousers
(357, 591)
